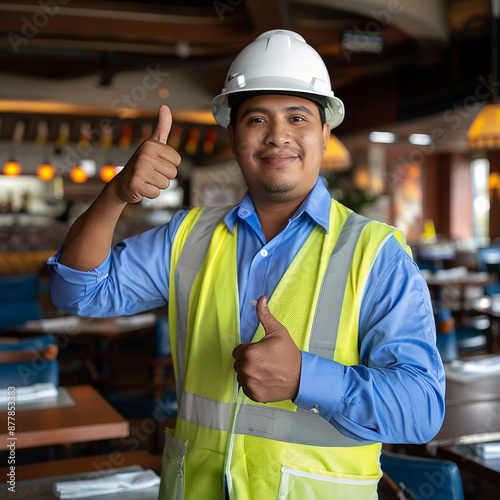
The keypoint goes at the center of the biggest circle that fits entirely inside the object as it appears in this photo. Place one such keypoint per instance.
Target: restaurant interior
(81, 83)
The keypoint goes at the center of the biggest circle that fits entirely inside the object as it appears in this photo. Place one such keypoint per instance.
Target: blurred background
(80, 87)
(81, 83)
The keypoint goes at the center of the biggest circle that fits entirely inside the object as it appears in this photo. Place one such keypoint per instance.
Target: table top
(466, 458)
(94, 327)
(37, 480)
(91, 418)
(85, 464)
(467, 279)
(480, 389)
(487, 305)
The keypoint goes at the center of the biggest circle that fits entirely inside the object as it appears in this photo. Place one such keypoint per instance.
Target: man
(286, 397)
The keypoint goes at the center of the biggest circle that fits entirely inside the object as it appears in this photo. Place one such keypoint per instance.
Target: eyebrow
(266, 111)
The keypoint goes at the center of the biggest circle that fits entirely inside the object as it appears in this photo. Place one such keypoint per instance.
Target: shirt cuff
(321, 385)
(79, 277)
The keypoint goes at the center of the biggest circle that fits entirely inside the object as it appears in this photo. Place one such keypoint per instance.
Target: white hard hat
(281, 62)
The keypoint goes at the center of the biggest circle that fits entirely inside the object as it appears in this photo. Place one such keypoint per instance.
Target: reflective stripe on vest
(324, 332)
(301, 426)
(190, 261)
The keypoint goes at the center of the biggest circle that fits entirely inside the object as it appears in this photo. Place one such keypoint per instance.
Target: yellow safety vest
(222, 439)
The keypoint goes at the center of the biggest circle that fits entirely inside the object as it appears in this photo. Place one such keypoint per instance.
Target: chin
(281, 192)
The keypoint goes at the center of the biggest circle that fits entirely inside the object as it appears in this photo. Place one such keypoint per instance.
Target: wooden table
(85, 464)
(37, 480)
(463, 455)
(74, 326)
(90, 419)
(97, 334)
(437, 283)
(481, 389)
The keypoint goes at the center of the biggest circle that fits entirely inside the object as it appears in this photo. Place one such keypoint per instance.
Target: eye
(297, 119)
(257, 119)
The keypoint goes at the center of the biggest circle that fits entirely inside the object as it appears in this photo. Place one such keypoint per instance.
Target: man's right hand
(151, 167)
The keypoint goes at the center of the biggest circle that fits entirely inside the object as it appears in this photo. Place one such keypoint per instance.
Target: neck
(274, 217)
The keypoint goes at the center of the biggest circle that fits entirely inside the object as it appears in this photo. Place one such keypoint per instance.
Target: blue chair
(19, 300)
(28, 361)
(492, 289)
(424, 477)
(488, 259)
(472, 334)
(446, 335)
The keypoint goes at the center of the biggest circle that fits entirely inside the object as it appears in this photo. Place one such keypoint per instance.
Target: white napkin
(136, 320)
(46, 390)
(115, 483)
(488, 450)
(62, 324)
(486, 365)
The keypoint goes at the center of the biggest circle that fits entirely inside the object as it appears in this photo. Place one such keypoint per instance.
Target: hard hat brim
(334, 107)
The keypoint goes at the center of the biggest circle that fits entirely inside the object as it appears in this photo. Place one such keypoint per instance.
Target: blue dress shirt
(395, 394)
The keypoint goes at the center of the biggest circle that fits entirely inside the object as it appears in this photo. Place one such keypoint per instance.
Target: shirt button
(263, 252)
(253, 302)
(245, 211)
(315, 409)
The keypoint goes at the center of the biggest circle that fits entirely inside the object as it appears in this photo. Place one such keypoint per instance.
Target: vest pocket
(172, 475)
(297, 485)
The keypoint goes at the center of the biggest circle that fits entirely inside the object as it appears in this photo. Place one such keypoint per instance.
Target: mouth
(278, 160)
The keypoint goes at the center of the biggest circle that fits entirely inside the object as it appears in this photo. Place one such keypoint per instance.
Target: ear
(326, 134)
(230, 134)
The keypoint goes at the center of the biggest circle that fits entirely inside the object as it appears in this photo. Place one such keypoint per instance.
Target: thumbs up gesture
(269, 370)
(151, 167)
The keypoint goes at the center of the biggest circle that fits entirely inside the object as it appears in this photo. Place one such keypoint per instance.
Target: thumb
(164, 124)
(269, 322)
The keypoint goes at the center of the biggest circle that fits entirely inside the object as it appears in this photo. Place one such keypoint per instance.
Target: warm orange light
(210, 138)
(192, 140)
(12, 168)
(78, 175)
(484, 133)
(107, 172)
(494, 180)
(336, 156)
(46, 172)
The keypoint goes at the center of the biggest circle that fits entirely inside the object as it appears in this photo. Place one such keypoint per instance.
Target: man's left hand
(269, 370)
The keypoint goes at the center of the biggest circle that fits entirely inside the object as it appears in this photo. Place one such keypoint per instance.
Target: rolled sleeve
(133, 278)
(70, 285)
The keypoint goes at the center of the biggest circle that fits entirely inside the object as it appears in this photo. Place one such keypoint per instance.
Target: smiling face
(279, 143)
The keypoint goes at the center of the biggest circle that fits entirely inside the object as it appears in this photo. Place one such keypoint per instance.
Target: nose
(278, 134)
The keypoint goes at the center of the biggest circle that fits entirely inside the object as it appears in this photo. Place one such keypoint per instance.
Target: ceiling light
(78, 175)
(107, 172)
(12, 169)
(484, 133)
(45, 171)
(384, 137)
(420, 139)
(336, 157)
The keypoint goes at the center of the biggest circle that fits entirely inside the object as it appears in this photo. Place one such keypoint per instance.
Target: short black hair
(235, 100)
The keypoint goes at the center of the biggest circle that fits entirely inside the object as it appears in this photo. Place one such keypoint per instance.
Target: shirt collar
(316, 205)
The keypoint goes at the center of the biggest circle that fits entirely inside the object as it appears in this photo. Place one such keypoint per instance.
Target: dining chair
(19, 299)
(446, 335)
(488, 259)
(28, 361)
(147, 391)
(423, 477)
(472, 334)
